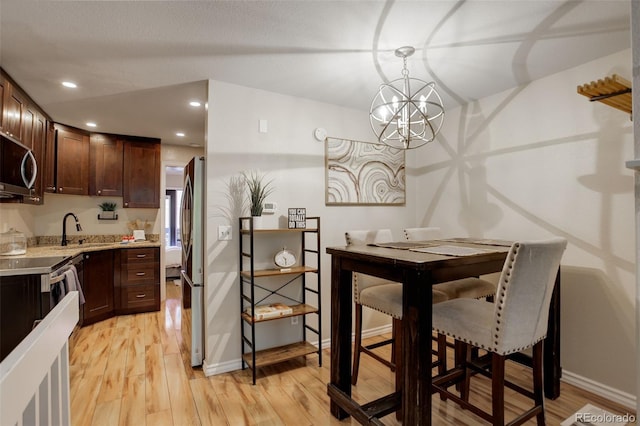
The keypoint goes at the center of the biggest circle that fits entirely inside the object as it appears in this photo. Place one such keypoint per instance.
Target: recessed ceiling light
(180, 134)
(90, 124)
(69, 84)
(194, 103)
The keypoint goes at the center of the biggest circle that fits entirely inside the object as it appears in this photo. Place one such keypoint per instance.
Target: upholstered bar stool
(384, 296)
(517, 320)
(474, 288)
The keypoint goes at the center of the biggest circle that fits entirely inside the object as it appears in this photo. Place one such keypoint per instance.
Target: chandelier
(406, 113)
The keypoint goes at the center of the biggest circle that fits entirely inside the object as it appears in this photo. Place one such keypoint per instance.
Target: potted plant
(258, 190)
(108, 210)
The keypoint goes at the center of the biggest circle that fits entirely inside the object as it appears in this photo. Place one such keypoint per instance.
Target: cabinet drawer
(140, 255)
(141, 274)
(139, 296)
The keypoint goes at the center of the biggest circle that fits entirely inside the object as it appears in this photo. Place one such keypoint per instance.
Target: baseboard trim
(623, 398)
(220, 368)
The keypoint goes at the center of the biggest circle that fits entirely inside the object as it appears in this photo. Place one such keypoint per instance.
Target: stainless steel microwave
(18, 169)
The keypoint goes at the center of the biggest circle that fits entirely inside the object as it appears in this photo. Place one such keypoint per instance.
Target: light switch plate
(224, 233)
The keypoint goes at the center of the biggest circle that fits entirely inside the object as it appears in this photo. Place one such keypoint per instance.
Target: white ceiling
(138, 63)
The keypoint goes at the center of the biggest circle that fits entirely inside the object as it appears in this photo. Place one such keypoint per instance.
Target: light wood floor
(133, 370)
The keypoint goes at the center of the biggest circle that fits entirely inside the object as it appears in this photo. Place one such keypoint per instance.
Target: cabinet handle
(141, 256)
(99, 192)
(126, 204)
(140, 296)
(60, 189)
(141, 274)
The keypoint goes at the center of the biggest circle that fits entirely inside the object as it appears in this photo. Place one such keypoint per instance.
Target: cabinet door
(39, 143)
(141, 175)
(105, 165)
(49, 166)
(13, 104)
(19, 308)
(28, 123)
(98, 286)
(72, 164)
(3, 84)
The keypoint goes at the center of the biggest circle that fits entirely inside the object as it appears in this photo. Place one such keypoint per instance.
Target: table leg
(416, 349)
(341, 293)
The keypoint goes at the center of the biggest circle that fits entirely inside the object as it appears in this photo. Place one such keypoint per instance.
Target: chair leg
(442, 353)
(461, 350)
(538, 381)
(395, 324)
(497, 388)
(357, 345)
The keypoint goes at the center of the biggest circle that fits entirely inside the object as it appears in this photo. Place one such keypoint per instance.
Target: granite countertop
(76, 249)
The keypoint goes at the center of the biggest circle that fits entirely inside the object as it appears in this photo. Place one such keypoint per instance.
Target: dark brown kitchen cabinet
(39, 131)
(97, 286)
(72, 161)
(138, 286)
(141, 173)
(3, 84)
(20, 302)
(13, 104)
(49, 165)
(105, 165)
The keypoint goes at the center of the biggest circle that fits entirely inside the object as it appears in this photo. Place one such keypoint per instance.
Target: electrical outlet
(294, 320)
(224, 232)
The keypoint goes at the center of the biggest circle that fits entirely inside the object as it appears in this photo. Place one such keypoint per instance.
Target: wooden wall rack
(614, 91)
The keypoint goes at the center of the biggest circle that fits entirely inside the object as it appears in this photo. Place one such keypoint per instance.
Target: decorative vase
(257, 222)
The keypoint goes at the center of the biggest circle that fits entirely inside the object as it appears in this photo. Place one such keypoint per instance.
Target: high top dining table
(417, 271)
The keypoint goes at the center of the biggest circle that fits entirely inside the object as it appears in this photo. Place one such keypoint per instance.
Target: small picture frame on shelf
(297, 218)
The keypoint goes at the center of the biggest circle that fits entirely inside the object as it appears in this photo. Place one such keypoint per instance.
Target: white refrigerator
(192, 274)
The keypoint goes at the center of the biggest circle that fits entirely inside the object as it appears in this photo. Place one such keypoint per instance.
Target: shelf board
(283, 230)
(301, 309)
(280, 354)
(275, 272)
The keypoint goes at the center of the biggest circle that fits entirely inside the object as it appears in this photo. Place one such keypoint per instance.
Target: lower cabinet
(138, 284)
(98, 286)
(120, 281)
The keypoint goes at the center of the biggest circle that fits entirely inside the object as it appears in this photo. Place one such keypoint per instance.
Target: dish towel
(73, 282)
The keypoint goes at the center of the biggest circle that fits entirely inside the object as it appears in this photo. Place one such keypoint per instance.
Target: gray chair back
(360, 238)
(521, 309)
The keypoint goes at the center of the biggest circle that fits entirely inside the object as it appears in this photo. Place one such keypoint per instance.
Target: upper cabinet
(105, 165)
(142, 173)
(23, 121)
(13, 103)
(72, 161)
(3, 83)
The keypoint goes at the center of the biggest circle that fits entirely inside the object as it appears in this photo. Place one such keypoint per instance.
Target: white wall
(295, 160)
(542, 160)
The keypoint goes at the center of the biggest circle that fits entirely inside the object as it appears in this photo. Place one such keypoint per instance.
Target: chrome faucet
(64, 227)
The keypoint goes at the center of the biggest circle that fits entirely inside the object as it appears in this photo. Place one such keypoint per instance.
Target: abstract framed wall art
(363, 173)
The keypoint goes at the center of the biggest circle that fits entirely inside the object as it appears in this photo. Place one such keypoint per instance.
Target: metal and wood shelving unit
(252, 279)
